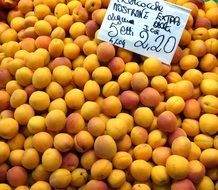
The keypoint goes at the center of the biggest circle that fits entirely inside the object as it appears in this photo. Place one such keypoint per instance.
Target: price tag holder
(146, 27)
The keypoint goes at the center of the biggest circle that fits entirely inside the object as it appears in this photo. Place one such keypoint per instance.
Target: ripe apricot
(105, 147)
(30, 159)
(83, 141)
(60, 178)
(116, 178)
(55, 120)
(101, 169)
(79, 177)
(42, 141)
(140, 170)
(177, 167)
(51, 159)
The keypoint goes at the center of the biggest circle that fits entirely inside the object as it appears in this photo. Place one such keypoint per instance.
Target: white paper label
(147, 27)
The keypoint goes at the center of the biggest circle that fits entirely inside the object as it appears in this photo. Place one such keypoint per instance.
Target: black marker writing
(131, 11)
(119, 19)
(155, 7)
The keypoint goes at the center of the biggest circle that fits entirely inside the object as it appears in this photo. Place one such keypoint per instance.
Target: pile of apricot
(80, 113)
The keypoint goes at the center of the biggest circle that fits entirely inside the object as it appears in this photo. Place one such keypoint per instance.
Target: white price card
(146, 27)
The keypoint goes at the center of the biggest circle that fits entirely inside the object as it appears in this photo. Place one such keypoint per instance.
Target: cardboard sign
(147, 27)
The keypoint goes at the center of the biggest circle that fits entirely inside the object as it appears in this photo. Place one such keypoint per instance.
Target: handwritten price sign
(147, 27)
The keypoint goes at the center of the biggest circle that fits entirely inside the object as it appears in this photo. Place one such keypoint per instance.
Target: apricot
(65, 21)
(122, 160)
(116, 65)
(194, 76)
(191, 127)
(196, 171)
(211, 14)
(157, 138)
(79, 177)
(15, 158)
(8, 35)
(30, 159)
(3, 170)
(124, 80)
(71, 50)
(105, 52)
(77, 29)
(91, 28)
(132, 67)
(181, 146)
(198, 48)
(105, 147)
(138, 135)
(60, 178)
(140, 186)
(62, 74)
(209, 104)
(150, 97)
(167, 121)
(92, 5)
(42, 28)
(195, 152)
(96, 184)
(111, 88)
(98, 15)
(188, 62)
(205, 182)
(140, 170)
(111, 106)
(209, 87)
(126, 55)
(11, 130)
(101, 169)
(41, 185)
(160, 155)
(207, 123)
(175, 104)
(116, 178)
(152, 67)
(177, 133)
(63, 142)
(80, 76)
(90, 63)
(17, 176)
(59, 104)
(177, 167)
(40, 174)
(58, 62)
(16, 142)
(181, 184)
(192, 109)
(96, 126)
(139, 86)
(202, 22)
(42, 141)
(5, 77)
(4, 152)
(142, 152)
(124, 144)
(200, 33)
(74, 123)
(147, 118)
(51, 159)
(55, 120)
(208, 62)
(207, 157)
(83, 141)
(59, 33)
(88, 159)
(185, 38)
(39, 100)
(159, 175)
(60, 9)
